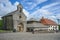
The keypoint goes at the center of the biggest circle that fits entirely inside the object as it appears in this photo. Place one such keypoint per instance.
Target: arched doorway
(20, 27)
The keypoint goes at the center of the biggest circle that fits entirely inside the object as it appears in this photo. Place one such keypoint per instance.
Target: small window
(20, 17)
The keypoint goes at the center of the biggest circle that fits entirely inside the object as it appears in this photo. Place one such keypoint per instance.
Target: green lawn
(5, 31)
(2, 31)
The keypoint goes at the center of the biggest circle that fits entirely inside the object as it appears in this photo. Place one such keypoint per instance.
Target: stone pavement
(29, 36)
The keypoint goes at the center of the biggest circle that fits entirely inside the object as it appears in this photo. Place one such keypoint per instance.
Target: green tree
(1, 24)
(59, 27)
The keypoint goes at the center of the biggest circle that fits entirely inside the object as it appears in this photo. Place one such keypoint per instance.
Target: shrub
(59, 27)
(1, 24)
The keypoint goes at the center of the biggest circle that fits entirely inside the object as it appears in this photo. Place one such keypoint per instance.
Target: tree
(59, 27)
(1, 24)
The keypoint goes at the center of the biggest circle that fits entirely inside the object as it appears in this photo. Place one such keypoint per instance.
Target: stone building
(17, 20)
(33, 24)
(52, 25)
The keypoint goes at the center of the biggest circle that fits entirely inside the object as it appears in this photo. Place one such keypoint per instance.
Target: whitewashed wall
(53, 27)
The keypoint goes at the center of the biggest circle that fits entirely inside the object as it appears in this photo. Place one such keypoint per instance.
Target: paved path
(29, 36)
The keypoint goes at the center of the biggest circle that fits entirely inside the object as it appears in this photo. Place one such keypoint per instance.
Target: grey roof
(32, 19)
(11, 13)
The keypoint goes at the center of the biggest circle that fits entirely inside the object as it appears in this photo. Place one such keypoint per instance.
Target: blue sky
(30, 3)
(33, 8)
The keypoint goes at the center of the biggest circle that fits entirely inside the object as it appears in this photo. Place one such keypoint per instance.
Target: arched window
(19, 8)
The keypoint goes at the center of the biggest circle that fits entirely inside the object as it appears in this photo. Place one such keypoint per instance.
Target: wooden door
(20, 28)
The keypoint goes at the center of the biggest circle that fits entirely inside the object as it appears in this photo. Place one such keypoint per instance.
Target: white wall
(53, 28)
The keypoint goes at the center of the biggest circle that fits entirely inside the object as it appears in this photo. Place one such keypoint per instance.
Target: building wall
(14, 20)
(53, 27)
(17, 20)
(8, 22)
(4, 23)
(36, 25)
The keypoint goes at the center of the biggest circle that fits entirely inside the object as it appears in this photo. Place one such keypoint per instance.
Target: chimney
(42, 17)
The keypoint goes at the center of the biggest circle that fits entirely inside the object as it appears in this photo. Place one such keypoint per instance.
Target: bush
(1, 24)
(59, 27)
(14, 30)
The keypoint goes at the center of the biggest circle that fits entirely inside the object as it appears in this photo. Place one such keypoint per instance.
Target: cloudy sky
(33, 8)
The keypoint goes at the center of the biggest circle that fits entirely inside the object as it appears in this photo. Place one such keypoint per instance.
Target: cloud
(31, 4)
(16, 3)
(58, 16)
(41, 12)
(38, 14)
(53, 8)
(26, 12)
(50, 5)
(7, 8)
(45, 11)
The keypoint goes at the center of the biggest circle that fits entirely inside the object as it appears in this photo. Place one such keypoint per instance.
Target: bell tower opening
(19, 7)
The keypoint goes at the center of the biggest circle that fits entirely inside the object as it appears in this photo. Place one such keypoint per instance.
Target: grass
(5, 31)
(2, 31)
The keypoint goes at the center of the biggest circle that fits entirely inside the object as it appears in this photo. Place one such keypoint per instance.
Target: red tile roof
(46, 21)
